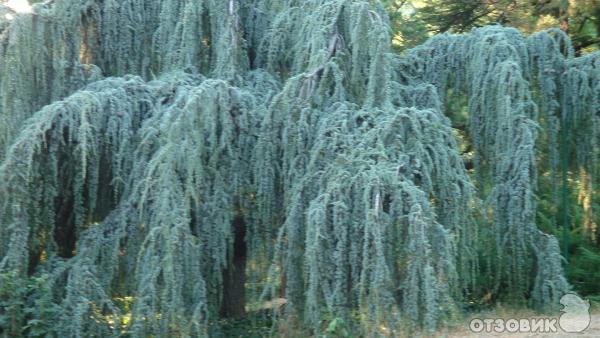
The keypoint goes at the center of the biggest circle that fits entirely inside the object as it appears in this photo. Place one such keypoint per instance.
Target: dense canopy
(194, 156)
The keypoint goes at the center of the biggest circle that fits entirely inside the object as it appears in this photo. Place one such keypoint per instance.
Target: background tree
(414, 20)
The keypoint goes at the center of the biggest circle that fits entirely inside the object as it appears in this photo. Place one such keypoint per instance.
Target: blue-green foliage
(294, 115)
(515, 85)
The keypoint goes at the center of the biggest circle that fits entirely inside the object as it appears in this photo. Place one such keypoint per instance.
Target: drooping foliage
(514, 85)
(137, 134)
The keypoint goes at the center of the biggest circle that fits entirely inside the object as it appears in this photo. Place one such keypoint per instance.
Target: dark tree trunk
(64, 228)
(234, 277)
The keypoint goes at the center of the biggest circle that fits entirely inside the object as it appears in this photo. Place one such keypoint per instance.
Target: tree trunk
(234, 277)
(64, 228)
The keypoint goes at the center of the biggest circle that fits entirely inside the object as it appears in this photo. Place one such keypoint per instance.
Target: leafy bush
(26, 307)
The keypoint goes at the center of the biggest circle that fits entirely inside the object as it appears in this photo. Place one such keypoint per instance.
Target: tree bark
(64, 227)
(234, 277)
